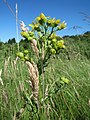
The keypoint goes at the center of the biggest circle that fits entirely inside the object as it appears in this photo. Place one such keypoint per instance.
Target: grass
(60, 102)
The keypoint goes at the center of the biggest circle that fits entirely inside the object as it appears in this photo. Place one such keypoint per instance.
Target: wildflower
(25, 34)
(53, 51)
(20, 54)
(26, 58)
(53, 36)
(65, 80)
(38, 18)
(31, 33)
(42, 16)
(49, 42)
(49, 22)
(60, 44)
(57, 22)
(26, 51)
(41, 19)
(61, 26)
(54, 40)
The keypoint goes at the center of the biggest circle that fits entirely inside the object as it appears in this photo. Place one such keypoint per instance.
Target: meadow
(62, 101)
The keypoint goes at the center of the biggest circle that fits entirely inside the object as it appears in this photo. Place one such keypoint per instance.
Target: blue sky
(68, 10)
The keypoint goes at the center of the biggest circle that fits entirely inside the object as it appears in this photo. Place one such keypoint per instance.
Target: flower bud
(25, 34)
(38, 18)
(26, 51)
(62, 26)
(42, 16)
(60, 44)
(54, 40)
(57, 22)
(26, 58)
(20, 54)
(65, 80)
(31, 33)
(53, 51)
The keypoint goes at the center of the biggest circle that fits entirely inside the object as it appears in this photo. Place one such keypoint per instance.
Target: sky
(28, 10)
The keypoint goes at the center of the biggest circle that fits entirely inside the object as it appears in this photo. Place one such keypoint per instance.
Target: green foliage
(11, 41)
(63, 102)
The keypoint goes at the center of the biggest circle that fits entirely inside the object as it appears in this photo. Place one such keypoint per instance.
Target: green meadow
(61, 101)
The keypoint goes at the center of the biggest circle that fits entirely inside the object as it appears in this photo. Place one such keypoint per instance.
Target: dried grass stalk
(5, 66)
(34, 46)
(1, 81)
(34, 76)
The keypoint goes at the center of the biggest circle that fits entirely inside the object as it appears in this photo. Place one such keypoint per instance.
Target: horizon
(65, 11)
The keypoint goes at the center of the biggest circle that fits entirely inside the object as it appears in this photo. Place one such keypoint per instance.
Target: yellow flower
(60, 44)
(62, 26)
(53, 51)
(57, 22)
(25, 34)
(54, 40)
(65, 80)
(42, 16)
(26, 58)
(31, 33)
(53, 36)
(20, 54)
(49, 22)
(35, 26)
(26, 51)
(38, 18)
(62, 41)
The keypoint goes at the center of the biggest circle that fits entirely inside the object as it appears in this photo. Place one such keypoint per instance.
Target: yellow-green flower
(42, 16)
(54, 40)
(62, 41)
(36, 27)
(26, 51)
(60, 44)
(25, 34)
(38, 18)
(31, 25)
(53, 36)
(31, 33)
(53, 51)
(62, 26)
(65, 80)
(53, 22)
(49, 22)
(57, 22)
(41, 19)
(26, 58)
(49, 42)
(20, 54)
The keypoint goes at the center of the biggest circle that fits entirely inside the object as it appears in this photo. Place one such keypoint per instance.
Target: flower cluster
(42, 36)
(23, 55)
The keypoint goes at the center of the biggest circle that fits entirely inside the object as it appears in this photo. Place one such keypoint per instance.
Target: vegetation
(61, 101)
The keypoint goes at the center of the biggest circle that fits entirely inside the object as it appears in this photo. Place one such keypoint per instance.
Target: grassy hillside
(61, 101)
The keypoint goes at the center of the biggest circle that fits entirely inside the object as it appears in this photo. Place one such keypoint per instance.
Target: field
(60, 101)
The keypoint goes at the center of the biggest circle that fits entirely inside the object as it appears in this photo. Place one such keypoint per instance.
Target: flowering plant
(44, 43)
(43, 39)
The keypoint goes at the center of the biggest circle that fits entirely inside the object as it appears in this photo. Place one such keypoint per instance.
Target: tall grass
(60, 102)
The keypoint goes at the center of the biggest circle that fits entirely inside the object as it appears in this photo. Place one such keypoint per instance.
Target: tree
(11, 41)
